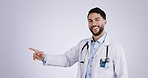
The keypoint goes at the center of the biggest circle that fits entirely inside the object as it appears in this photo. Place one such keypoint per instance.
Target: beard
(97, 33)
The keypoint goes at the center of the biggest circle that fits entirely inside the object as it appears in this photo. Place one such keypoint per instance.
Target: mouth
(94, 28)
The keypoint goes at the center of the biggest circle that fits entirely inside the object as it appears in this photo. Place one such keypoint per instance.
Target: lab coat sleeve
(63, 60)
(120, 63)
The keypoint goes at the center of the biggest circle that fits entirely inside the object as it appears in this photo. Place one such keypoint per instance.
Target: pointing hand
(39, 55)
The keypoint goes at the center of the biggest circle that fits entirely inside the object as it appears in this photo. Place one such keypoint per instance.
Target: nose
(94, 23)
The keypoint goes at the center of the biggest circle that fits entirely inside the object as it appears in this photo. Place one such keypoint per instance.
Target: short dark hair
(97, 10)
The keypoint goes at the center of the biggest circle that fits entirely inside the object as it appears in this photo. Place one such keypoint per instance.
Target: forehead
(94, 15)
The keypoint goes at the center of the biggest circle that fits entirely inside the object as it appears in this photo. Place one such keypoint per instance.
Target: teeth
(95, 27)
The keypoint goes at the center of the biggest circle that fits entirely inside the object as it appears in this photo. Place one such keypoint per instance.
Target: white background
(54, 26)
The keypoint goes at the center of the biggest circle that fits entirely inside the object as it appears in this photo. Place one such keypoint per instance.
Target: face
(96, 23)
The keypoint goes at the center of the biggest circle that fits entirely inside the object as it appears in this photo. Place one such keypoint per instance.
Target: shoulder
(83, 42)
(115, 44)
(116, 48)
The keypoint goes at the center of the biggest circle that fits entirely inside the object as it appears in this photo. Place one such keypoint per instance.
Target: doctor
(98, 56)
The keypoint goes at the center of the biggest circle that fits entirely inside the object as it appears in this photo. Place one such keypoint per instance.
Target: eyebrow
(95, 18)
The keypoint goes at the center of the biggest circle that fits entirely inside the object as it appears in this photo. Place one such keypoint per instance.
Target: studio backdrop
(55, 26)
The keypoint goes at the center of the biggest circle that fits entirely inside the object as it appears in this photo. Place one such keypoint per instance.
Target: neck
(99, 36)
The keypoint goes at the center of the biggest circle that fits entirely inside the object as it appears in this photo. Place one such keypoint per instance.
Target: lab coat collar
(100, 40)
(106, 40)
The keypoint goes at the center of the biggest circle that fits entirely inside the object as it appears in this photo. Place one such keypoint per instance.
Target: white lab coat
(116, 68)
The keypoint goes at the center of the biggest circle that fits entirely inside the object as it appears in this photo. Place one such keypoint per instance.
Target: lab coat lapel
(87, 56)
(103, 45)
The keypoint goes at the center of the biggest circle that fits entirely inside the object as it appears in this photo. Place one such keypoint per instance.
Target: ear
(105, 21)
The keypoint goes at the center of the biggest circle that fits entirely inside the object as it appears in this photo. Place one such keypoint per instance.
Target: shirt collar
(100, 40)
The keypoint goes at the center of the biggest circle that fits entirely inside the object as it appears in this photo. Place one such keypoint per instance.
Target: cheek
(89, 25)
(101, 24)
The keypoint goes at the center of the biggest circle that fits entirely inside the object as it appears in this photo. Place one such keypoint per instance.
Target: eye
(97, 19)
(90, 20)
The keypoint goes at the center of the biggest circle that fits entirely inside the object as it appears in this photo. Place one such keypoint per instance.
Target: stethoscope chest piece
(103, 63)
(107, 60)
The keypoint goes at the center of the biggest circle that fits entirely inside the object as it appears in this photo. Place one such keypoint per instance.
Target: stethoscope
(107, 60)
(102, 63)
(82, 59)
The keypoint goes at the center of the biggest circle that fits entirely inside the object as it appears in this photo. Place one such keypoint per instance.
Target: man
(97, 56)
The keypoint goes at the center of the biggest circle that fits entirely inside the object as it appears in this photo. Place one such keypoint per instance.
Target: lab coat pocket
(105, 66)
(103, 72)
(107, 70)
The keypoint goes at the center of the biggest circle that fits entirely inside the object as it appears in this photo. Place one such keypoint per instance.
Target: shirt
(93, 49)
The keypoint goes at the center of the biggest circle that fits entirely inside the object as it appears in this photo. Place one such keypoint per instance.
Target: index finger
(33, 49)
